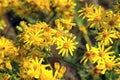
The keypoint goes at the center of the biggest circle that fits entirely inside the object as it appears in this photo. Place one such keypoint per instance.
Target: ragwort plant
(59, 40)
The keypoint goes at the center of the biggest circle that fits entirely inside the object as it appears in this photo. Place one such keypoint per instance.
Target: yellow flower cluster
(7, 53)
(43, 5)
(20, 6)
(101, 57)
(107, 26)
(35, 42)
(43, 36)
(107, 22)
(37, 35)
(55, 29)
(64, 8)
(117, 6)
(34, 68)
(98, 17)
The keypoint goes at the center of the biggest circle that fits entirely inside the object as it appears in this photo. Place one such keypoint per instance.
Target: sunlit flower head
(108, 64)
(34, 68)
(86, 10)
(60, 70)
(117, 6)
(66, 45)
(106, 36)
(38, 70)
(7, 47)
(43, 6)
(47, 40)
(104, 53)
(67, 23)
(59, 31)
(64, 8)
(90, 55)
(112, 20)
(95, 18)
(31, 37)
(39, 34)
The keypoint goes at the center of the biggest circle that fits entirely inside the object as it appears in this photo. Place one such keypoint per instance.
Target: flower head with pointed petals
(66, 45)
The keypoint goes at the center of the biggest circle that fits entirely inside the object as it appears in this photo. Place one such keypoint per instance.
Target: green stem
(88, 39)
(116, 46)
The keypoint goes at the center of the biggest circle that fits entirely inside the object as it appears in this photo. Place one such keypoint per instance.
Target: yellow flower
(47, 40)
(118, 34)
(117, 6)
(39, 34)
(106, 36)
(95, 18)
(108, 64)
(7, 48)
(33, 37)
(38, 70)
(85, 11)
(104, 53)
(64, 8)
(112, 20)
(8, 65)
(7, 76)
(67, 23)
(66, 45)
(47, 74)
(59, 71)
(58, 32)
(34, 68)
(57, 65)
(91, 55)
(4, 3)
(44, 6)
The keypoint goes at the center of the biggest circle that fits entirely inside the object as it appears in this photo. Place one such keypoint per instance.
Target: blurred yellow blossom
(106, 36)
(86, 10)
(64, 8)
(7, 48)
(44, 6)
(117, 6)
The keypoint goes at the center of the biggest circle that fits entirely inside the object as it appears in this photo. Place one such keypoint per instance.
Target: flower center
(88, 54)
(66, 45)
(58, 34)
(67, 6)
(108, 65)
(98, 18)
(32, 37)
(105, 34)
(88, 9)
(101, 54)
(2, 48)
(111, 23)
